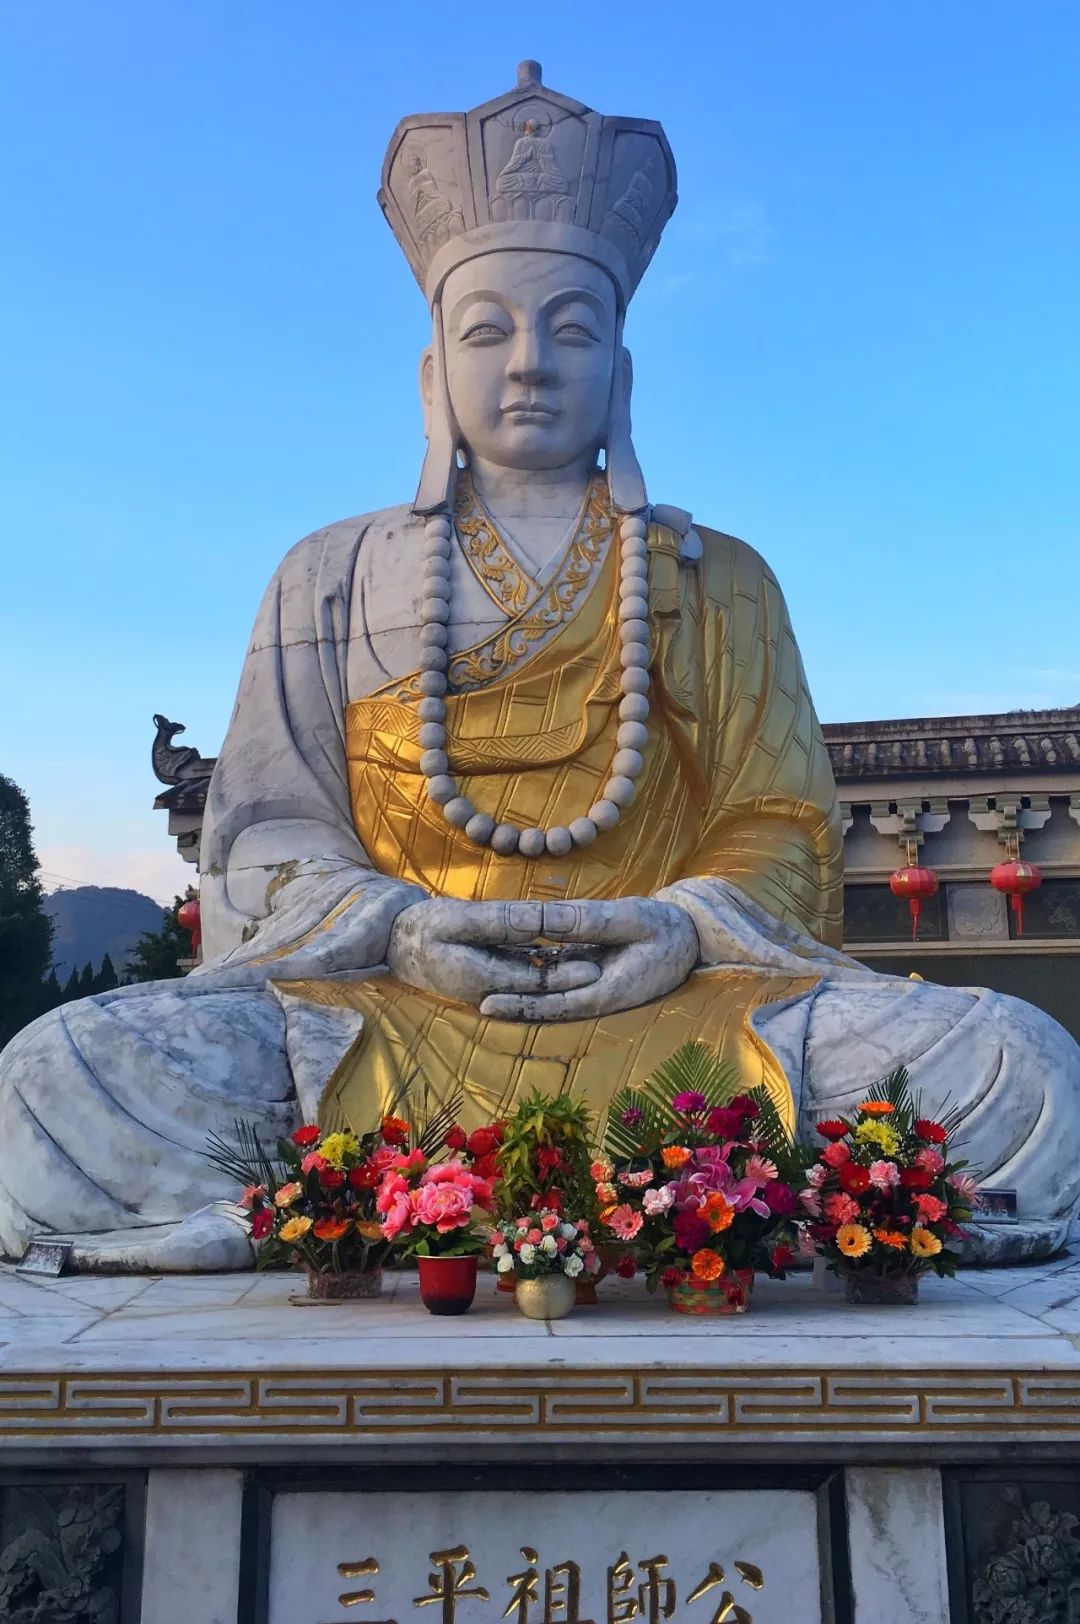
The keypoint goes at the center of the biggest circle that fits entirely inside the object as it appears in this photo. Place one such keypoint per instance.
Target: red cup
(447, 1284)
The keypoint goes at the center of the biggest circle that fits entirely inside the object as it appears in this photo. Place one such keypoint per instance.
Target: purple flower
(690, 1103)
(632, 1117)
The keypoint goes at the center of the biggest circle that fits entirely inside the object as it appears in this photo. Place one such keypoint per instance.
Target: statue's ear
(427, 387)
(625, 482)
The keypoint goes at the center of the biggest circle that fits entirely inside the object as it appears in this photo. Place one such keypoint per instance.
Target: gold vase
(547, 1297)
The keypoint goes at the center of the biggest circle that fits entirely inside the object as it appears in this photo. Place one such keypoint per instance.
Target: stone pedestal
(245, 1461)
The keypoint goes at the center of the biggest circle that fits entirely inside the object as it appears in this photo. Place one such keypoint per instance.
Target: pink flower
(810, 1201)
(443, 1205)
(932, 1160)
(313, 1162)
(690, 1103)
(398, 1216)
(761, 1168)
(625, 1222)
(966, 1188)
(534, 1236)
(836, 1154)
(931, 1210)
(883, 1176)
(549, 1222)
(638, 1180)
(816, 1176)
(498, 1238)
(414, 1162)
(658, 1201)
(841, 1209)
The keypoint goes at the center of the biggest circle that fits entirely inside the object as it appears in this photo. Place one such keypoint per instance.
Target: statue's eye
(575, 330)
(484, 330)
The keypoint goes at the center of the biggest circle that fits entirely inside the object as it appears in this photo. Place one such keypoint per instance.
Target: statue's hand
(452, 949)
(648, 949)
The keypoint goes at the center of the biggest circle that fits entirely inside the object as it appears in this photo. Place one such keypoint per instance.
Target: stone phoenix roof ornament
(531, 169)
(534, 171)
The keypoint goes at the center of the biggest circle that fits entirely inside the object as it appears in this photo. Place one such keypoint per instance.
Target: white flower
(502, 1250)
(572, 1265)
(505, 1263)
(527, 1253)
(817, 1175)
(657, 1201)
(548, 1245)
(567, 1231)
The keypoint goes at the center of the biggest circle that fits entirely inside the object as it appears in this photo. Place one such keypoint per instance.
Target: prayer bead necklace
(506, 838)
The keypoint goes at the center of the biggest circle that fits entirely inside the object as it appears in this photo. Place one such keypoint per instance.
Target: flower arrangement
(429, 1209)
(696, 1181)
(883, 1200)
(480, 1149)
(544, 1243)
(543, 1157)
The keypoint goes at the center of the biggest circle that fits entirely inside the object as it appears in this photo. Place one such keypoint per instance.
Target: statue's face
(530, 342)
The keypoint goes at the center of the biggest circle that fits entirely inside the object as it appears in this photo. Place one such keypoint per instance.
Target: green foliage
(694, 1067)
(543, 1121)
(25, 929)
(157, 953)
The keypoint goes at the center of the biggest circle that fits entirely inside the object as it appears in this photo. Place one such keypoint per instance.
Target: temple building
(954, 794)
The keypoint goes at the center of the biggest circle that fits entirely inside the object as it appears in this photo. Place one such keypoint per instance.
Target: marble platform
(211, 1414)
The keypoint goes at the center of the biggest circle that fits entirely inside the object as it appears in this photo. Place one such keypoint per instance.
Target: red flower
(481, 1142)
(550, 1201)
(832, 1129)
(670, 1276)
(306, 1136)
(499, 1130)
(313, 1162)
(781, 1257)
(365, 1177)
(331, 1178)
(395, 1130)
(262, 1222)
(626, 1268)
(548, 1158)
(486, 1167)
(745, 1106)
(779, 1198)
(932, 1132)
(724, 1123)
(456, 1139)
(915, 1178)
(853, 1178)
(690, 1231)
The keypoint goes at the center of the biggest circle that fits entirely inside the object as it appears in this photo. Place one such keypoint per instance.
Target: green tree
(106, 978)
(158, 953)
(25, 928)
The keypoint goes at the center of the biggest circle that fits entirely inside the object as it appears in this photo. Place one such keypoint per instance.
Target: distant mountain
(92, 920)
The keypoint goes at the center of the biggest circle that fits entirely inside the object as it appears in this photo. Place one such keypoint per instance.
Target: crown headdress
(531, 169)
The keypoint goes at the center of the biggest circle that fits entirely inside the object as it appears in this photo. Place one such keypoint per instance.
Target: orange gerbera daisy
(332, 1229)
(924, 1243)
(892, 1237)
(876, 1108)
(705, 1265)
(675, 1155)
(853, 1240)
(718, 1213)
(293, 1230)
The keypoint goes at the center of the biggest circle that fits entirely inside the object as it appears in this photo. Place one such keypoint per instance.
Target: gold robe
(736, 784)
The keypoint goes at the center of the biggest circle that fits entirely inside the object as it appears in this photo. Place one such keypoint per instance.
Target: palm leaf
(243, 1159)
(693, 1067)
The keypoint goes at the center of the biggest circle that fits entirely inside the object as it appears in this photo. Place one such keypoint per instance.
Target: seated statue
(523, 787)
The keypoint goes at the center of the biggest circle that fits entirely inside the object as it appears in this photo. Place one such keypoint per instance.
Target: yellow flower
(878, 1133)
(853, 1240)
(675, 1155)
(337, 1146)
(288, 1194)
(874, 1108)
(295, 1227)
(924, 1243)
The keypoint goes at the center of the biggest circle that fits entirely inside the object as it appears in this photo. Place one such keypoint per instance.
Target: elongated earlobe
(436, 490)
(626, 482)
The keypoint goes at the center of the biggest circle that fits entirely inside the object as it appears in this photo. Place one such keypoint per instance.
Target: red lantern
(914, 883)
(1016, 878)
(189, 917)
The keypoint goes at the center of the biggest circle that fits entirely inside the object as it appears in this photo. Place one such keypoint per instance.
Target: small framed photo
(996, 1207)
(44, 1257)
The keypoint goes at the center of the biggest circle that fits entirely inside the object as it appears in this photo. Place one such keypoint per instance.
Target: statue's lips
(530, 411)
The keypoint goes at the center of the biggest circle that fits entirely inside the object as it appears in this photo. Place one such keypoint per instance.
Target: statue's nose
(529, 363)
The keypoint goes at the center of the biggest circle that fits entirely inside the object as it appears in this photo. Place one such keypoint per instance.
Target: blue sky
(857, 345)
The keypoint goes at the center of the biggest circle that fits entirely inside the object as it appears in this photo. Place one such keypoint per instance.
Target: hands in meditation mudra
(523, 787)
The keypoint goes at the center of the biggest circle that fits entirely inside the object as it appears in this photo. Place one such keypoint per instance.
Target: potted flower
(314, 1203)
(428, 1212)
(884, 1200)
(546, 1254)
(698, 1183)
